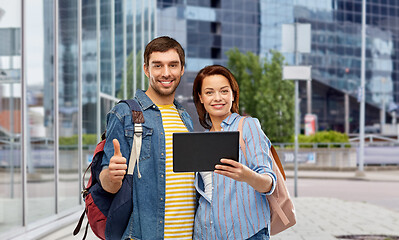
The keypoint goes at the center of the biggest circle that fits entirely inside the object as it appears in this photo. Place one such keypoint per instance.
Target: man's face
(164, 71)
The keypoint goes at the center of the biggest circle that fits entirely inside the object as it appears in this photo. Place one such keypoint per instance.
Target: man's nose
(166, 71)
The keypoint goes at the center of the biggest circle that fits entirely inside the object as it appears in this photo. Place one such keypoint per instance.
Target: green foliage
(88, 139)
(323, 137)
(129, 76)
(263, 93)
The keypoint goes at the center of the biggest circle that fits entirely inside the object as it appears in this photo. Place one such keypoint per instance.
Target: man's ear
(146, 71)
(182, 71)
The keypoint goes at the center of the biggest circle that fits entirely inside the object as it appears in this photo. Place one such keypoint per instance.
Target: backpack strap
(137, 113)
(138, 120)
(242, 143)
(272, 152)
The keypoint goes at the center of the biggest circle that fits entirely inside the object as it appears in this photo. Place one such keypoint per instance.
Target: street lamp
(360, 172)
(301, 44)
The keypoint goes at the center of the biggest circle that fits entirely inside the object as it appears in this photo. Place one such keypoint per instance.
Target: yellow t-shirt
(180, 190)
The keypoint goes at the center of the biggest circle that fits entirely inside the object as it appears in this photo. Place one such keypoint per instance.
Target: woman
(232, 203)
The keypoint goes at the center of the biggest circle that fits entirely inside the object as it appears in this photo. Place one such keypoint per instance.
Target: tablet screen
(201, 151)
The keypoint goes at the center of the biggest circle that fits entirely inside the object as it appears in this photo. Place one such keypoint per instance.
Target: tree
(263, 93)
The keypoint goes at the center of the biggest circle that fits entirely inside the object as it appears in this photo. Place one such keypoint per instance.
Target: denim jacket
(147, 218)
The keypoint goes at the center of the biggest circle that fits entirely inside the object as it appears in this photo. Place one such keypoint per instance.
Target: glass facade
(63, 65)
(209, 28)
(11, 194)
(336, 54)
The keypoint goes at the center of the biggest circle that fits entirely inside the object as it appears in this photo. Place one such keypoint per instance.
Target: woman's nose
(218, 96)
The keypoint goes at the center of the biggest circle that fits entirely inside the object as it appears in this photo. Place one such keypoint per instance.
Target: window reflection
(40, 158)
(68, 104)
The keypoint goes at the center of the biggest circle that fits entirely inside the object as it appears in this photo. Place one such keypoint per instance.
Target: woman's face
(216, 96)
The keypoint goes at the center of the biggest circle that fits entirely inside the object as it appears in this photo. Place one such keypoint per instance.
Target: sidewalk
(327, 218)
(317, 218)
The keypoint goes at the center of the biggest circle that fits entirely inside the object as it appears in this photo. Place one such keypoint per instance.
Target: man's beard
(165, 91)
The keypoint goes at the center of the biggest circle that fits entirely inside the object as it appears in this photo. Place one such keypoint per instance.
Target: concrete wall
(320, 157)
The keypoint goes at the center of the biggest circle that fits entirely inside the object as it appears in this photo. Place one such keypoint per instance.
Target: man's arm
(111, 177)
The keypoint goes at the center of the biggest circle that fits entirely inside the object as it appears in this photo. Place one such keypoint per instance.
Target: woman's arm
(255, 164)
(239, 172)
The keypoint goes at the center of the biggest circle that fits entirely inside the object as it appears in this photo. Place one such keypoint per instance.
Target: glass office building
(64, 64)
(209, 28)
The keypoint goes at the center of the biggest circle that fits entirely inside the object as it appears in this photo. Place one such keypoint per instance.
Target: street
(382, 193)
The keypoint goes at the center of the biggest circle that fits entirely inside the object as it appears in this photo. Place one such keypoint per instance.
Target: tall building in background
(209, 28)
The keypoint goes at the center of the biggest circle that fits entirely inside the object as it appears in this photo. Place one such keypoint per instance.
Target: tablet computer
(201, 151)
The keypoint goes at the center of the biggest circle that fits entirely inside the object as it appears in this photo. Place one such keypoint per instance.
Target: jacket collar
(146, 102)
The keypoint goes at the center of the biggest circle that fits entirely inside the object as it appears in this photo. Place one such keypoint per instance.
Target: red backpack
(108, 214)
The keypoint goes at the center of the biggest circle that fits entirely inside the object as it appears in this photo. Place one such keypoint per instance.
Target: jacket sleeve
(257, 146)
(115, 129)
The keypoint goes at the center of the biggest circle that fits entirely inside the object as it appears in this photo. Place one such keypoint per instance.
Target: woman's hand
(236, 170)
(239, 172)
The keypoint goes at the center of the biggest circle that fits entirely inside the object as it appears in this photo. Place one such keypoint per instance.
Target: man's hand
(111, 177)
(117, 164)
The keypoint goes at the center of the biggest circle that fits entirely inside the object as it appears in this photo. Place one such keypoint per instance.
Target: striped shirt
(179, 187)
(236, 210)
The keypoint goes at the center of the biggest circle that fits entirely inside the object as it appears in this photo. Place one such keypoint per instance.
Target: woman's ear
(199, 95)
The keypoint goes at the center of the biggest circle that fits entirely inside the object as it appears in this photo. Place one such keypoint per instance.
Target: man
(163, 201)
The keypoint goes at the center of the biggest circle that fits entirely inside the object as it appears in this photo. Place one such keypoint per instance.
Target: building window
(216, 28)
(215, 3)
(216, 53)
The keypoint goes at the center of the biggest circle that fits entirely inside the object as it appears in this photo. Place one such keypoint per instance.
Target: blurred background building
(64, 64)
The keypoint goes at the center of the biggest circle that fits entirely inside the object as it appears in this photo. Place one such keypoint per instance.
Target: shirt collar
(229, 120)
(146, 102)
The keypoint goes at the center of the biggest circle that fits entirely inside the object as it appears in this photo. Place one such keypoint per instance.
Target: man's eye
(173, 65)
(157, 66)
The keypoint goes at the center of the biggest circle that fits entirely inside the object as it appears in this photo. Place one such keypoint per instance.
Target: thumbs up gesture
(117, 164)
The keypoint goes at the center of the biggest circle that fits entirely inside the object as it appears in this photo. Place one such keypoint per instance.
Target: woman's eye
(225, 91)
(208, 93)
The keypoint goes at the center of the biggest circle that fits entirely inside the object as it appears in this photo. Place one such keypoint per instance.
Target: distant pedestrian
(232, 202)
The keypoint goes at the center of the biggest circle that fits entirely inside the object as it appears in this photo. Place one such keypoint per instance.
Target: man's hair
(163, 44)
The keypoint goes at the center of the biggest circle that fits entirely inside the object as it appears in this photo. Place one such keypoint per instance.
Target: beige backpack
(282, 209)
